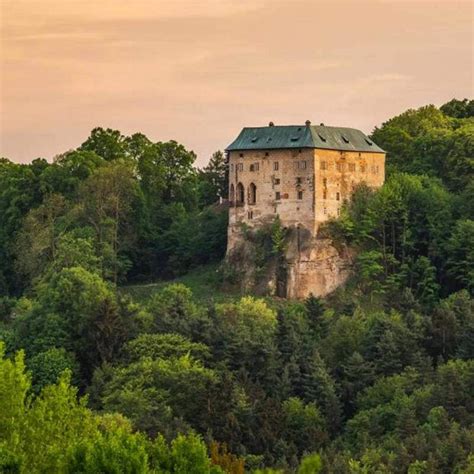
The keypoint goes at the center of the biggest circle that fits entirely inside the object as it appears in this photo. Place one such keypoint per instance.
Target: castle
(303, 174)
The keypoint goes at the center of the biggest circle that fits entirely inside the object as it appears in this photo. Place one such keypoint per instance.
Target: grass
(205, 283)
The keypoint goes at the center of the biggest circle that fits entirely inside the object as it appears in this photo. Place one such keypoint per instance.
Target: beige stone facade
(302, 186)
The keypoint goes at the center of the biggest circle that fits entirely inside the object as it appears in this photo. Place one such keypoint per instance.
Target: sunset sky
(198, 71)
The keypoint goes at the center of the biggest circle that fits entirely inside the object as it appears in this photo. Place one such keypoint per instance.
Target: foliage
(377, 377)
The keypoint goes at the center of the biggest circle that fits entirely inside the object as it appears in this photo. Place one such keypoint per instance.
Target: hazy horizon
(198, 72)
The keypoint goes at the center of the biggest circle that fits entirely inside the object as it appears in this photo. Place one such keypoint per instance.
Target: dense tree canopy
(96, 376)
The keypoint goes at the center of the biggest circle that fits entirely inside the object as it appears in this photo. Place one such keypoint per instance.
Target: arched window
(252, 193)
(231, 194)
(240, 196)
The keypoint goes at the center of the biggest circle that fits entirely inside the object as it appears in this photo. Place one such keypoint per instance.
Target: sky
(199, 71)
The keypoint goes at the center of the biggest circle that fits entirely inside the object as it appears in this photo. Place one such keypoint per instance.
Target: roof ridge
(312, 136)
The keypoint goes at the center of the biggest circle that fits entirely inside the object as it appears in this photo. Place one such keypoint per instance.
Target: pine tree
(315, 310)
(357, 375)
(319, 387)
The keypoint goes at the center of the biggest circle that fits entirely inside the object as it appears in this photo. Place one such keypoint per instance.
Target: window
(340, 167)
(252, 193)
(241, 155)
(299, 180)
(240, 194)
(231, 167)
(267, 154)
(240, 166)
(325, 211)
(323, 165)
(300, 195)
(277, 180)
(325, 182)
(231, 194)
(277, 195)
(362, 168)
(276, 165)
(254, 166)
(250, 215)
(302, 165)
(352, 167)
(338, 197)
(325, 194)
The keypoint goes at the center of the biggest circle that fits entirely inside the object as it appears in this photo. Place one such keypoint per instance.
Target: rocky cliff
(292, 264)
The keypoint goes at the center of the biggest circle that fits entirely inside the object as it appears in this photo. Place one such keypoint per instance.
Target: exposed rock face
(307, 265)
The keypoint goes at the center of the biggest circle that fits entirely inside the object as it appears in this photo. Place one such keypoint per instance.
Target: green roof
(303, 136)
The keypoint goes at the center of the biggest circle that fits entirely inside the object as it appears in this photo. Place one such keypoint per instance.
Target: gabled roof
(303, 136)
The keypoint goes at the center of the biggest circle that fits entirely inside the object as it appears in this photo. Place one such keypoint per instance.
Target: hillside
(125, 346)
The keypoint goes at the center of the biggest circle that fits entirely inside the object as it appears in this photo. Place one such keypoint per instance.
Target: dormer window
(346, 140)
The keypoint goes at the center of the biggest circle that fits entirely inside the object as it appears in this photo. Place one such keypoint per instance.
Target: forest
(124, 347)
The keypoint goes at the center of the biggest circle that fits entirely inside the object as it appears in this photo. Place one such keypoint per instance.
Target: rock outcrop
(306, 264)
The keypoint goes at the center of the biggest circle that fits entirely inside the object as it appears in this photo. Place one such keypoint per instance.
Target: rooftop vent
(269, 139)
(322, 137)
(254, 139)
(368, 142)
(271, 124)
(308, 123)
(345, 138)
(295, 139)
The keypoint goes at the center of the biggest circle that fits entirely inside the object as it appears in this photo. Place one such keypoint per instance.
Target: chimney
(308, 123)
(322, 124)
(271, 124)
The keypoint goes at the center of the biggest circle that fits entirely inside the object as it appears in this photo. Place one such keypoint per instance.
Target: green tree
(159, 395)
(320, 388)
(110, 201)
(213, 179)
(108, 144)
(38, 240)
(460, 248)
(174, 310)
(47, 367)
(113, 452)
(458, 108)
